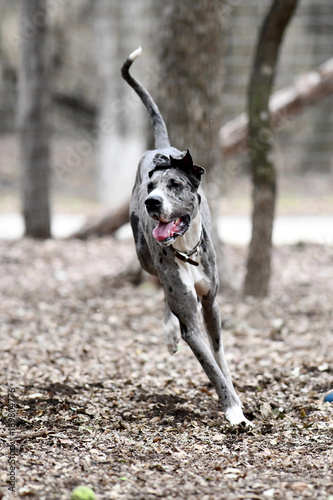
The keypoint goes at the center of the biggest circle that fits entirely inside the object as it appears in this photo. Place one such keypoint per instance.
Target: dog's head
(172, 197)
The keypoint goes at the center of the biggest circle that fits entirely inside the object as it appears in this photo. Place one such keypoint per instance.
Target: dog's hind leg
(171, 330)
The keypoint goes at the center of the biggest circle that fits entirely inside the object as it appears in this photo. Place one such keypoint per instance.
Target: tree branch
(283, 105)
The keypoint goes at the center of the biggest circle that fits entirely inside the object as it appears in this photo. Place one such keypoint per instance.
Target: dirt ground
(90, 395)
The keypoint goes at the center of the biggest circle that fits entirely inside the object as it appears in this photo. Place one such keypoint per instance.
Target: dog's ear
(161, 162)
(185, 163)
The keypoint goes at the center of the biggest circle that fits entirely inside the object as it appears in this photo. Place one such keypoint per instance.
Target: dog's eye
(173, 184)
(150, 187)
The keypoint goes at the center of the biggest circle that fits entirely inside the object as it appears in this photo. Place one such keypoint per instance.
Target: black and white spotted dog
(172, 230)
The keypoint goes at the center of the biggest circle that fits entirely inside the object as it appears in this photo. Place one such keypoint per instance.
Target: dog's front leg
(228, 398)
(190, 330)
(211, 315)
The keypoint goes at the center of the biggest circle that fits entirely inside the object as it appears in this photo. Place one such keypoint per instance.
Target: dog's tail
(159, 127)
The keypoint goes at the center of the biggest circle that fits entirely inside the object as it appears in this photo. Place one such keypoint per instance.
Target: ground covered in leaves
(95, 399)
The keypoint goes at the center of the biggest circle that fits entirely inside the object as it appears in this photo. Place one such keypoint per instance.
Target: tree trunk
(191, 76)
(260, 146)
(191, 50)
(32, 119)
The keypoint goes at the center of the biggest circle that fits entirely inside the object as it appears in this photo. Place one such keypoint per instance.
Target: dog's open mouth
(166, 232)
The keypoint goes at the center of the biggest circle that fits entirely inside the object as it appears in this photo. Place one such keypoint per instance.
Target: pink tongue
(163, 230)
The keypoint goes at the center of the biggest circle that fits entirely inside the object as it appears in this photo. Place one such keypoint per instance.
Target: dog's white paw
(235, 416)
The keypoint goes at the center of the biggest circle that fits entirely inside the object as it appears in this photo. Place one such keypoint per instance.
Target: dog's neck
(191, 238)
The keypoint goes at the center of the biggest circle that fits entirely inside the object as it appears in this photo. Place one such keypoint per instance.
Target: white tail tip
(136, 53)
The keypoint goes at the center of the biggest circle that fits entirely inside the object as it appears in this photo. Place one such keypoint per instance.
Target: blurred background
(99, 129)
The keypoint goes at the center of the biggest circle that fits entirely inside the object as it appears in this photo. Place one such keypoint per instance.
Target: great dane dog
(172, 230)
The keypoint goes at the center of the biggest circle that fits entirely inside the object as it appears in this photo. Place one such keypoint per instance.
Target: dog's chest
(194, 277)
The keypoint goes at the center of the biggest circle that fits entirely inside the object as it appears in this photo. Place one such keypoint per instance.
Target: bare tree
(260, 146)
(191, 52)
(33, 119)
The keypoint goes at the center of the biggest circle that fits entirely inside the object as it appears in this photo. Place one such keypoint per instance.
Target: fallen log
(284, 104)
(106, 224)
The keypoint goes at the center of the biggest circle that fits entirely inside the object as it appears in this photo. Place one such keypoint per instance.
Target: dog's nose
(153, 202)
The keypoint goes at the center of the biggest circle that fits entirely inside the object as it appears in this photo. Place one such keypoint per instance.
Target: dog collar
(185, 256)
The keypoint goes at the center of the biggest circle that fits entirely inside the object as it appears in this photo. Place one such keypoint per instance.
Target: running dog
(171, 225)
